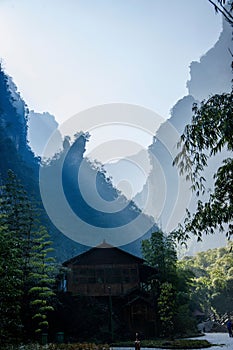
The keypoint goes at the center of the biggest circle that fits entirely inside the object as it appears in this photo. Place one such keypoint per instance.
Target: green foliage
(15, 207)
(210, 132)
(159, 252)
(41, 289)
(81, 318)
(25, 268)
(172, 289)
(166, 309)
(11, 284)
(165, 344)
(15, 224)
(212, 284)
(184, 323)
(52, 346)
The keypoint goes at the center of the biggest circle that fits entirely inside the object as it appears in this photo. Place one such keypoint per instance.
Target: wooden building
(106, 268)
(105, 272)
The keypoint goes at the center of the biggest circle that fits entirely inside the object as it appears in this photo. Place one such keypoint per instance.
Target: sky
(71, 56)
(66, 56)
(107, 61)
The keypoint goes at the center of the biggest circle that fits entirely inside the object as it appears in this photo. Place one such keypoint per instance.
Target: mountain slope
(210, 76)
(40, 128)
(85, 206)
(92, 190)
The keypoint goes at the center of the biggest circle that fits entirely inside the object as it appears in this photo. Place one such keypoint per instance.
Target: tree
(41, 277)
(220, 6)
(11, 285)
(24, 264)
(171, 290)
(159, 252)
(166, 309)
(14, 226)
(210, 132)
(184, 322)
(212, 282)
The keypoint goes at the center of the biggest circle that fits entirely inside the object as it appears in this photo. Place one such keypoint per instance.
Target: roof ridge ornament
(104, 244)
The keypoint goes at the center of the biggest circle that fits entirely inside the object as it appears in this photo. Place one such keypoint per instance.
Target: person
(229, 327)
(137, 342)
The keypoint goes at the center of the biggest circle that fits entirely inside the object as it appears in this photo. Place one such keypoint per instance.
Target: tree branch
(223, 11)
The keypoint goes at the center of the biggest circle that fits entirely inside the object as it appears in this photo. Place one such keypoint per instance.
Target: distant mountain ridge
(17, 155)
(212, 75)
(40, 128)
(15, 151)
(88, 207)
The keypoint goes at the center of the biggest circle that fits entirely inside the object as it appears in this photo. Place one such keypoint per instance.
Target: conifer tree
(159, 251)
(12, 225)
(30, 264)
(170, 291)
(41, 275)
(11, 284)
(166, 309)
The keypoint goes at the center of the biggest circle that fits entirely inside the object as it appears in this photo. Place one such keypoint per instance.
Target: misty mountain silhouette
(209, 76)
(212, 75)
(40, 128)
(17, 155)
(84, 204)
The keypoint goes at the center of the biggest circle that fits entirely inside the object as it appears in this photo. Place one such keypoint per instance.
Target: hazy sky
(69, 55)
(66, 56)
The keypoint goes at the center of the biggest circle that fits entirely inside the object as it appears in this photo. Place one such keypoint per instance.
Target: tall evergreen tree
(41, 276)
(11, 284)
(159, 251)
(13, 224)
(171, 289)
(166, 309)
(30, 264)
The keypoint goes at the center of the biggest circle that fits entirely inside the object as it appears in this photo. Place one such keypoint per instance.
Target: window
(105, 274)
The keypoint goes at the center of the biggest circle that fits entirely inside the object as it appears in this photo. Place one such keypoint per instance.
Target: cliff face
(18, 156)
(171, 194)
(40, 128)
(15, 152)
(84, 186)
(211, 75)
(13, 113)
(82, 202)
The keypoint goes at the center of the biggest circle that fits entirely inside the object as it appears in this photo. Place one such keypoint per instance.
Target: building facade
(110, 274)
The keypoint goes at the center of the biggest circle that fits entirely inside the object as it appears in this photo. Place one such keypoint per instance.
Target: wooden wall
(101, 280)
